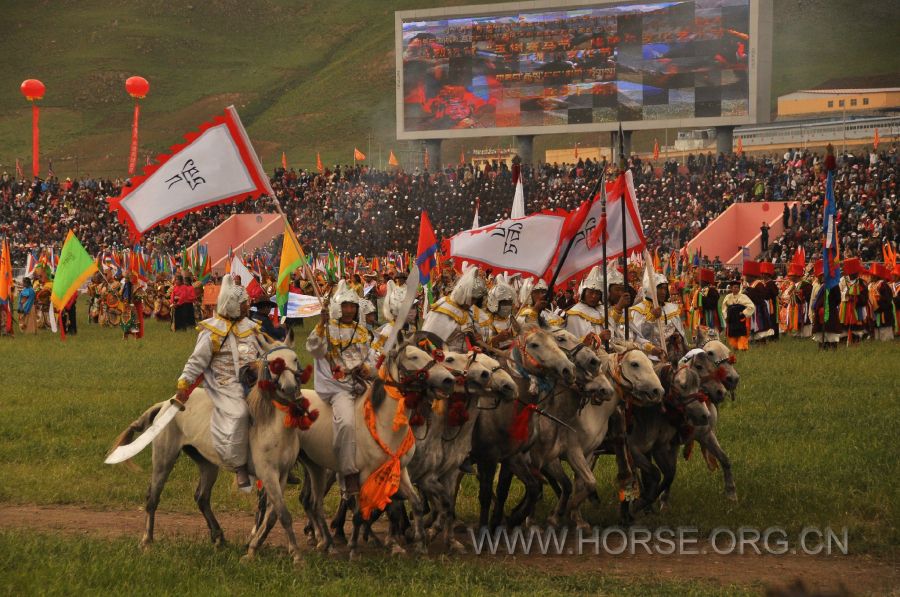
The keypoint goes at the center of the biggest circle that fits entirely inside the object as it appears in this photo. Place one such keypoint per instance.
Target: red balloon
(137, 87)
(32, 89)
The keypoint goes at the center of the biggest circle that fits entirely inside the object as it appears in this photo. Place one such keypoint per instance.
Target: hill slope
(306, 77)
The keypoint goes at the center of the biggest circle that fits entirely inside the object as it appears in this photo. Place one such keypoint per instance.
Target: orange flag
(358, 155)
(462, 158)
(427, 160)
(283, 161)
(656, 149)
(392, 160)
(319, 165)
(740, 146)
(877, 140)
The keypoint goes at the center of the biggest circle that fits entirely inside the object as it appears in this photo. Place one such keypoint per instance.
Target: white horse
(273, 446)
(418, 370)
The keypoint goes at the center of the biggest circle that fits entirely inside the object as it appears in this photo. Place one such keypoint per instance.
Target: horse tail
(136, 426)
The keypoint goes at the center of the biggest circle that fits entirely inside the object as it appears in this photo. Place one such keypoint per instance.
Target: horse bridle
(266, 374)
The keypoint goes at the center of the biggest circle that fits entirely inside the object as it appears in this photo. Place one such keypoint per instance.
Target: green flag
(74, 268)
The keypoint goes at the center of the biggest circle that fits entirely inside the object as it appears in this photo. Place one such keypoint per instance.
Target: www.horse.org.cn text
(663, 541)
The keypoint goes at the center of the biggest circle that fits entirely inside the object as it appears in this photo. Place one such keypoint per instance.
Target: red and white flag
(587, 249)
(250, 283)
(216, 165)
(526, 246)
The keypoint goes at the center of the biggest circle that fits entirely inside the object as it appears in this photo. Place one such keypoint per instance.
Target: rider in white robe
(227, 342)
(343, 360)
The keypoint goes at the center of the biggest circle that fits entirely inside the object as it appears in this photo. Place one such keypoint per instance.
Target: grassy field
(306, 77)
(70, 566)
(811, 435)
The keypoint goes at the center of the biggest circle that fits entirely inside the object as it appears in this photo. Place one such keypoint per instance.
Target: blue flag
(831, 267)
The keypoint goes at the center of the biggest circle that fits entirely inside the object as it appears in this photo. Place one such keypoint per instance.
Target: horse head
(711, 376)
(502, 384)
(541, 354)
(413, 367)
(632, 371)
(278, 370)
(723, 359)
(469, 373)
(683, 395)
(586, 361)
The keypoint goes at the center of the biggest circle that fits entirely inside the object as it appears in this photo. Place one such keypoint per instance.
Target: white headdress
(231, 295)
(613, 275)
(651, 284)
(365, 307)
(393, 298)
(592, 281)
(469, 287)
(501, 291)
(529, 286)
(342, 294)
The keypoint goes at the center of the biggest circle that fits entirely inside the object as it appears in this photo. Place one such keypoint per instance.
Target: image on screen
(604, 64)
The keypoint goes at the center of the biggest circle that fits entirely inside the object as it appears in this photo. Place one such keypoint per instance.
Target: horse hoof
(430, 535)
(219, 541)
(247, 558)
(146, 545)
(663, 507)
(420, 549)
(340, 539)
(297, 560)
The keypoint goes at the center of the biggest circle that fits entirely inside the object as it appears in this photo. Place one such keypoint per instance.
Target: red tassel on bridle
(518, 430)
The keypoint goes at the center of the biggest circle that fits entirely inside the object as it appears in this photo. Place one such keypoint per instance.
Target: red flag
(876, 141)
(283, 161)
(426, 249)
(319, 165)
(358, 155)
(656, 149)
(740, 146)
(392, 160)
(462, 158)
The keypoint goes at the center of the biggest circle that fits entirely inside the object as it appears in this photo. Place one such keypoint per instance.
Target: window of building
(865, 101)
(853, 102)
(830, 103)
(841, 103)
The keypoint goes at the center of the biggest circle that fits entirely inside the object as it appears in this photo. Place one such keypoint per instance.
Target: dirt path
(861, 574)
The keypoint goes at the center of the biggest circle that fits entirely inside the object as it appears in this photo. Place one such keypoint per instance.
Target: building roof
(883, 81)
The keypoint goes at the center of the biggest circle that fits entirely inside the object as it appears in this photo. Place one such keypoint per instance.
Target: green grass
(306, 77)
(47, 565)
(811, 436)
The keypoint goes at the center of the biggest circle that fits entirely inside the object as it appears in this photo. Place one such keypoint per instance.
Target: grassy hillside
(305, 76)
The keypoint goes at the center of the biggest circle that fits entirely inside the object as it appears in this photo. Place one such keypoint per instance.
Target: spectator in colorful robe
(824, 310)
(738, 309)
(756, 291)
(881, 298)
(854, 310)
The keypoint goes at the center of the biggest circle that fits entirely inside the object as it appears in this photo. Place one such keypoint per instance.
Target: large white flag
(215, 165)
(526, 246)
(582, 257)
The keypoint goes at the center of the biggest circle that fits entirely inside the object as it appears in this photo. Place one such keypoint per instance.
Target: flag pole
(624, 224)
(284, 217)
(605, 265)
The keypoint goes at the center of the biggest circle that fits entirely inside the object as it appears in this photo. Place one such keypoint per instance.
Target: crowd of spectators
(361, 210)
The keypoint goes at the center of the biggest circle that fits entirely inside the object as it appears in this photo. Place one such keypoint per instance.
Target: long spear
(621, 140)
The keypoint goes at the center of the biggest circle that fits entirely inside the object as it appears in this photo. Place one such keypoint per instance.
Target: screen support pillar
(614, 142)
(525, 148)
(433, 147)
(724, 139)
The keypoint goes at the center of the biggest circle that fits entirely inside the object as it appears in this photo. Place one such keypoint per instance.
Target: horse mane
(260, 408)
(377, 394)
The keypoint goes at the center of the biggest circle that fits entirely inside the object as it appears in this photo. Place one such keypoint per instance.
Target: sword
(123, 453)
